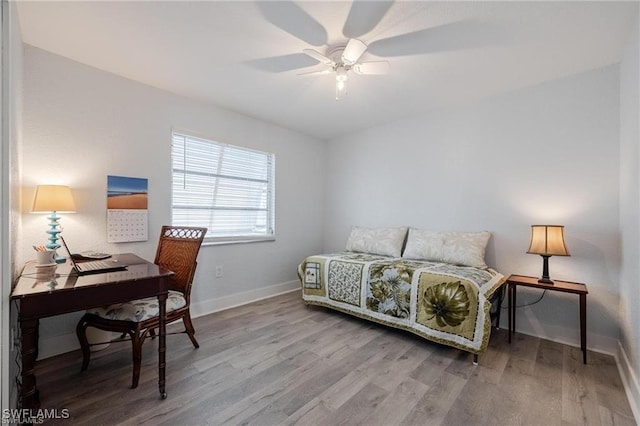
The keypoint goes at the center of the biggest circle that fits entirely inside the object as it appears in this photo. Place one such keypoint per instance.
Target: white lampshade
(53, 198)
(548, 240)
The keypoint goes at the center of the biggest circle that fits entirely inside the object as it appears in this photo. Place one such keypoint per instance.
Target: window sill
(238, 241)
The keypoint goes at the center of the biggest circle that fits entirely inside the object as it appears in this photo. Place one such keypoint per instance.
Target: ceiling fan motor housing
(335, 54)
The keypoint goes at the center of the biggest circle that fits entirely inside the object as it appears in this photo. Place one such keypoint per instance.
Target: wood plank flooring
(278, 361)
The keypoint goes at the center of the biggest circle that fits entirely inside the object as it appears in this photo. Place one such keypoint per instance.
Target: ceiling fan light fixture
(341, 82)
(340, 59)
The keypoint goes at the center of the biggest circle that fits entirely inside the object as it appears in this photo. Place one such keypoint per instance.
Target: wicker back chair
(177, 251)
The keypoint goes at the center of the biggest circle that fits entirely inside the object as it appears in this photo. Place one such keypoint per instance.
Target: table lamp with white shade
(547, 241)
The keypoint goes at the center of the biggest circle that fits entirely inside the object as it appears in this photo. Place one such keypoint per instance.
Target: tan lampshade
(53, 198)
(548, 240)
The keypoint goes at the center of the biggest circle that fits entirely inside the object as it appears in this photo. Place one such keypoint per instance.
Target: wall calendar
(127, 213)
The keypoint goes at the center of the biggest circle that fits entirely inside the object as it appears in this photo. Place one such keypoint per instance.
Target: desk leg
(162, 344)
(37, 337)
(583, 326)
(29, 349)
(512, 309)
(509, 310)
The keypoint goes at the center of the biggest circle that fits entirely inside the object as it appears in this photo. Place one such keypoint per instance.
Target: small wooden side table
(565, 286)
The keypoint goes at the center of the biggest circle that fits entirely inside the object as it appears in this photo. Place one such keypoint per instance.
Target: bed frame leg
(475, 359)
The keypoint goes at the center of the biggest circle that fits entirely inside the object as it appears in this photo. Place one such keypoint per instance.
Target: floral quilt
(441, 302)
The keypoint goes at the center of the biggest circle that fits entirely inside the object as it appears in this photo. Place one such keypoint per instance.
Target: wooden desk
(563, 286)
(44, 292)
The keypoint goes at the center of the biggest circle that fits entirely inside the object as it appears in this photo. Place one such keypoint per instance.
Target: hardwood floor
(279, 362)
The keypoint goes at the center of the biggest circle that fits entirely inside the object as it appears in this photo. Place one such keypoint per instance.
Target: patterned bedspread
(441, 302)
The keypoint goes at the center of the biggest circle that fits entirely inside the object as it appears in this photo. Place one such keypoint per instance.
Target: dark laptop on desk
(94, 266)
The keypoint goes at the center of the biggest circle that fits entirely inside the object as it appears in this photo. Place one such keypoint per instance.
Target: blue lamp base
(53, 236)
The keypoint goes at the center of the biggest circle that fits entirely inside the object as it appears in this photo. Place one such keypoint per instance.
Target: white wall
(545, 154)
(630, 217)
(9, 192)
(82, 124)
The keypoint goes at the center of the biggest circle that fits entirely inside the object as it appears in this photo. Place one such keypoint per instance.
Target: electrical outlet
(219, 271)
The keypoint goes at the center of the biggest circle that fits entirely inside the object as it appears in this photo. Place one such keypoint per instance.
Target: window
(228, 189)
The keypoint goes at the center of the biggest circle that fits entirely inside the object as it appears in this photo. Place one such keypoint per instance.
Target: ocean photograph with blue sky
(127, 193)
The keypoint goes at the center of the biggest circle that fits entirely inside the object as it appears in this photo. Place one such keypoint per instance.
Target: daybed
(437, 287)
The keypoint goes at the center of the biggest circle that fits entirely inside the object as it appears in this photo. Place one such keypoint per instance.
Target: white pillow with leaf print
(382, 241)
(458, 248)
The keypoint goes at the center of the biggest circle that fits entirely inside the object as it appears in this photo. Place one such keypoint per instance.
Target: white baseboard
(595, 343)
(57, 345)
(629, 381)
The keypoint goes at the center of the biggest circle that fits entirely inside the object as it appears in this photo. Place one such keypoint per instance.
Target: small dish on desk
(46, 265)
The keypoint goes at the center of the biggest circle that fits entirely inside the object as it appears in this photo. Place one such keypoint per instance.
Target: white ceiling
(245, 56)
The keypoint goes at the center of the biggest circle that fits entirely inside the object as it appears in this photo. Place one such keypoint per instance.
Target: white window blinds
(226, 188)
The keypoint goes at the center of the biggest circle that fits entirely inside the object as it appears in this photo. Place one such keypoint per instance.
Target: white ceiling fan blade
(355, 48)
(364, 16)
(293, 19)
(371, 68)
(312, 73)
(278, 64)
(460, 35)
(319, 57)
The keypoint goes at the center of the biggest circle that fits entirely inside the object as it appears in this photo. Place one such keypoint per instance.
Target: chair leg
(136, 349)
(188, 325)
(152, 333)
(81, 331)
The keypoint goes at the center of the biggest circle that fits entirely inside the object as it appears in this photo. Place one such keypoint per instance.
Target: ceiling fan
(363, 17)
(344, 58)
